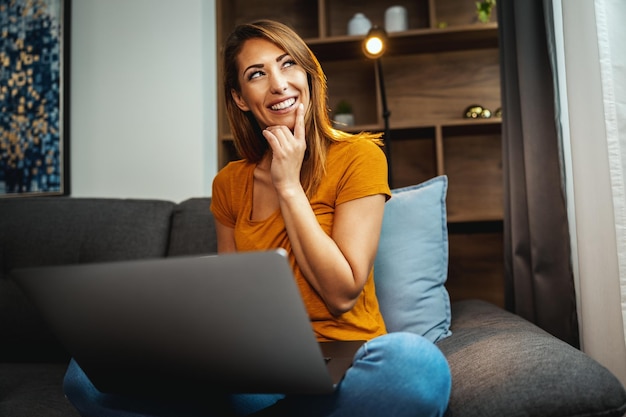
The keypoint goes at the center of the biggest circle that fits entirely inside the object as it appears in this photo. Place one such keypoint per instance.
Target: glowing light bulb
(374, 46)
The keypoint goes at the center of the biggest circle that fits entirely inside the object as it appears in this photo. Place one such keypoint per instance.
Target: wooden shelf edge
(494, 225)
(415, 41)
(362, 128)
(456, 124)
(494, 121)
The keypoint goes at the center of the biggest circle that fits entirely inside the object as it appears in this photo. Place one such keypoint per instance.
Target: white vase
(396, 19)
(359, 25)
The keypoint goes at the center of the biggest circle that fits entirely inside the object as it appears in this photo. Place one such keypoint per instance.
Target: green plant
(483, 10)
(343, 107)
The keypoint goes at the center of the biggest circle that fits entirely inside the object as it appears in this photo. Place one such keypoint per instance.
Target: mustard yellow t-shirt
(355, 169)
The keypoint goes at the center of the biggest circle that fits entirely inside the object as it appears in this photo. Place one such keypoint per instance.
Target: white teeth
(284, 104)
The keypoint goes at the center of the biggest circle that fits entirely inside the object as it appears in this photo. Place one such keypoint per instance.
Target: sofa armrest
(503, 365)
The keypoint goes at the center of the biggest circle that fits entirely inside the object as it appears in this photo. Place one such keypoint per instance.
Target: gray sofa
(501, 364)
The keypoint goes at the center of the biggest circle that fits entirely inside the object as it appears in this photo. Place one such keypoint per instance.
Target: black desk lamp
(374, 47)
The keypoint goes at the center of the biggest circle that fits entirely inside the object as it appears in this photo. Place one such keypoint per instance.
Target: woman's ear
(239, 101)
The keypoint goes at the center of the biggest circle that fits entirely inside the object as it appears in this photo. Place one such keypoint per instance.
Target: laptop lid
(178, 325)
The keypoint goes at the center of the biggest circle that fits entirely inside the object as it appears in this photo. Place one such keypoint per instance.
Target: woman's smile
(284, 104)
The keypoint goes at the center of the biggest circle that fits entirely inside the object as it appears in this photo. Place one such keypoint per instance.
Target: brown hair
(249, 142)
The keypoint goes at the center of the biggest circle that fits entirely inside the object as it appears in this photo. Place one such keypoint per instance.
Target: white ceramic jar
(396, 19)
(359, 25)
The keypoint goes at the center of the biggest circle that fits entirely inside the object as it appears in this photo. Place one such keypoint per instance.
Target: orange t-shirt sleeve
(227, 186)
(366, 172)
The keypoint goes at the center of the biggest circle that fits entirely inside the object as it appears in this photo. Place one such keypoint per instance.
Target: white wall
(143, 98)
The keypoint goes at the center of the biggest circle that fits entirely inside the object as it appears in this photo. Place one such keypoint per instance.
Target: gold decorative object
(473, 111)
(476, 111)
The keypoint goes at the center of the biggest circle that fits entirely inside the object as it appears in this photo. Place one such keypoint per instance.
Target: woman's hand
(287, 152)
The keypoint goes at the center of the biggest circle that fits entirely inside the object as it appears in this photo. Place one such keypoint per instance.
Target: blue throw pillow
(411, 265)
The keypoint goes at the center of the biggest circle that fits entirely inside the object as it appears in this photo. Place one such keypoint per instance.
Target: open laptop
(177, 325)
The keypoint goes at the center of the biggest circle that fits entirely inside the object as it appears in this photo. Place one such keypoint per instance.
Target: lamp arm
(386, 114)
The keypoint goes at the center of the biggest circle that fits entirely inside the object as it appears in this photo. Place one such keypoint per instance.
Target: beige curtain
(591, 62)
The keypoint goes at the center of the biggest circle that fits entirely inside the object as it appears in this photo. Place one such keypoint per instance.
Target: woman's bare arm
(337, 266)
(225, 238)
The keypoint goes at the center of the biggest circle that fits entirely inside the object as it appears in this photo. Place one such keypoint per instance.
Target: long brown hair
(249, 142)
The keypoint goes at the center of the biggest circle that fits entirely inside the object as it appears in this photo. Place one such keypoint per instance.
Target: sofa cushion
(503, 365)
(57, 231)
(34, 389)
(411, 265)
(62, 230)
(193, 228)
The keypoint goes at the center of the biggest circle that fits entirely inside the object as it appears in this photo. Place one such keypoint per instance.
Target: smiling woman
(319, 194)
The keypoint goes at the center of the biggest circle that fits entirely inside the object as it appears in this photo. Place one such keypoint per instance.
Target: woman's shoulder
(355, 147)
(235, 168)
(232, 174)
(359, 167)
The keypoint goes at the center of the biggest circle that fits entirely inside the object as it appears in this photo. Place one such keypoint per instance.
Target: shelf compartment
(442, 85)
(476, 267)
(357, 85)
(473, 164)
(300, 15)
(413, 160)
(339, 12)
(457, 13)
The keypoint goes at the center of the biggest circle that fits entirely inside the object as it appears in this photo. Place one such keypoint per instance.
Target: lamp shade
(375, 43)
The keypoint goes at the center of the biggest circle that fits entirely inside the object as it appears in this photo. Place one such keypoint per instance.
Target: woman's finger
(298, 130)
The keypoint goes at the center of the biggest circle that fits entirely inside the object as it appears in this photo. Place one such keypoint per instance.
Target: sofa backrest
(63, 230)
(193, 228)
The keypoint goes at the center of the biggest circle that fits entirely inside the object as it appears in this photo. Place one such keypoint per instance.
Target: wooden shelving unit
(445, 62)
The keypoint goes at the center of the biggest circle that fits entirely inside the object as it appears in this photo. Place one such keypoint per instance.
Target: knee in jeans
(423, 370)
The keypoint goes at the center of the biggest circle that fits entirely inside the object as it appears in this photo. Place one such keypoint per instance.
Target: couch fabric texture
(501, 364)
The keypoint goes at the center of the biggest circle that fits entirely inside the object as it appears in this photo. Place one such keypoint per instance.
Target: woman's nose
(278, 84)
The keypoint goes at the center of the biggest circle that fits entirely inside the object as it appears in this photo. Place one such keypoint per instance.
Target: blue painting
(33, 97)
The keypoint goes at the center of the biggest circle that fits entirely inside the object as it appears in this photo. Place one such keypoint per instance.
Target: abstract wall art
(34, 97)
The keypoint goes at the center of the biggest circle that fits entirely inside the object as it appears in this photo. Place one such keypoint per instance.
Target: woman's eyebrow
(257, 66)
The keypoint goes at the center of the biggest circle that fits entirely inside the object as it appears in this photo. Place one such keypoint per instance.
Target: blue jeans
(398, 374)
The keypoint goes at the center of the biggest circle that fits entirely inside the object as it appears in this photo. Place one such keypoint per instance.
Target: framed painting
(34, 97)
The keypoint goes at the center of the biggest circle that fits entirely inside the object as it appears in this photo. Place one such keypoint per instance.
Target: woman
(319, 193)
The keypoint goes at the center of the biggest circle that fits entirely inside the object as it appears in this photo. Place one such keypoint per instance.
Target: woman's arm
(337, 266)
(225, 238)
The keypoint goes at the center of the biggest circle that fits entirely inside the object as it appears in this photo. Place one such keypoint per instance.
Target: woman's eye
(289, 63)
(255, 74)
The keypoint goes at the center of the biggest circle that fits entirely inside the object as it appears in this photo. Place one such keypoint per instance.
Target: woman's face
(272, 84)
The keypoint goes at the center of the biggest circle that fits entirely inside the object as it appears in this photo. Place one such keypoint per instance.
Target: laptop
(175, 326)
